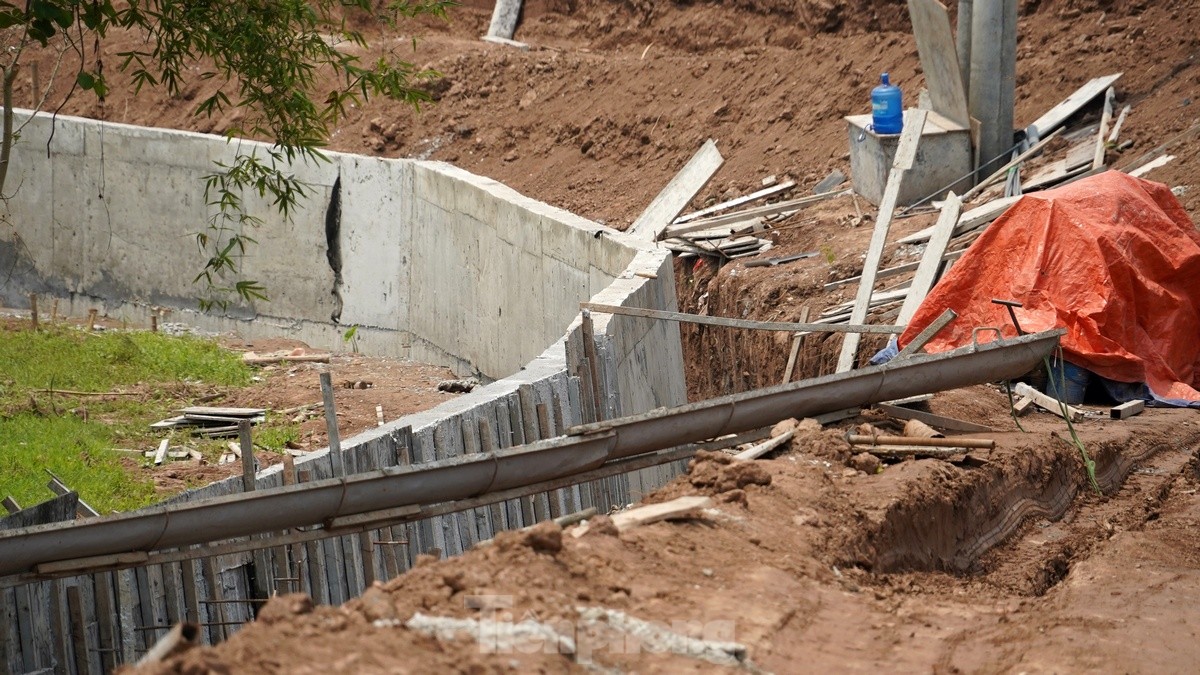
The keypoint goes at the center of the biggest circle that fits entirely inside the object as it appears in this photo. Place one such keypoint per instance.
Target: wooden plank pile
(719, 232)
(211, 422)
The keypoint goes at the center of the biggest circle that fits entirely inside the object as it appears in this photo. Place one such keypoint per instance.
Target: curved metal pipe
(587, 448)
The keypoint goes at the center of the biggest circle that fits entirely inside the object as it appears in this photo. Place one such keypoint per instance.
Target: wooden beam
(1102, 134)
(738, 323)
(1060, 113)
(931, 260)
(891, 271)
(1048, 403)
(931, 419)
(1125, 410)
(765, 447)
(1000, 173)
(160, 455)
(680, 507)
(675, 197)
(750, 214)
(1116, 130)
(734, 203)
(939, 60)
(923, 338)
(83, 509)
(863, 439)
(906, 153)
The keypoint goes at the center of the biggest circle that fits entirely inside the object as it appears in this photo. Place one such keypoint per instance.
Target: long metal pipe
(587, 448)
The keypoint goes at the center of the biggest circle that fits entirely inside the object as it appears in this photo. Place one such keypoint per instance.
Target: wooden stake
(54, 311)
(154, 323)
(33, 311)
(247, 448)
(91, 324)
(797, 342)
(335, 441)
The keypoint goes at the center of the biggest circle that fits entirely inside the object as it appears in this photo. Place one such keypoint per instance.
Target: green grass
(75, 437)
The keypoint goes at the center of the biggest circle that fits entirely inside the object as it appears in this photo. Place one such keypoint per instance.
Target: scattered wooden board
(750, 214)
(681, 507)
(939, 421)
(674, 198)
(1126, 410)
(1060, 113)
(1022, 406)
(161, 455)
(735, 323)
(765, 447)
(734, 203)
(1048, 403)
(939, 60)
(931, 261)
(224, 412)
(1160, 161)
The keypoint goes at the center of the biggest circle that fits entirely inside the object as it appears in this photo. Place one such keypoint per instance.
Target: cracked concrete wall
(428, 260)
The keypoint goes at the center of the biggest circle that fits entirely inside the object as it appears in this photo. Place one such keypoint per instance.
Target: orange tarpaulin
(1113, 259)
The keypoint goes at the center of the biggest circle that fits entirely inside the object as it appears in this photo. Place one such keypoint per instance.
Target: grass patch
(75, 437)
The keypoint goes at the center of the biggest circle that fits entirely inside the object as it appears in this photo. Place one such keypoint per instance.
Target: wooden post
(91, 320)
(106, 629)
(589, 352)
(331, 427)
(247, 447)
(154, 322)
(33, 312)
(78, 629)
(11, 504)
(906, 153)
(54, 311)
(797, 342)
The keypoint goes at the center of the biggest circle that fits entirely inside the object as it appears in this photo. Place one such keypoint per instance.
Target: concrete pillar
(963, 40)
(993, 78)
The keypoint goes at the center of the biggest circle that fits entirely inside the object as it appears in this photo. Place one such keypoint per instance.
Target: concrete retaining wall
(428, 260)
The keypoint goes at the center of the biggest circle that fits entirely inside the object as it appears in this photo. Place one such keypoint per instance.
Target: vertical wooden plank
(189, 588)
(31, 658)
(126, 613)
(504, 439)
(314, 554)
(91, 628)
(368, 559)
(106, 627)
(60, 625)
(214, 608)
(546, 430)
(79, 640)
(158, 604)
(479, 524)
(10, 634)
(498, 518)
(25, 628)
(330, 555)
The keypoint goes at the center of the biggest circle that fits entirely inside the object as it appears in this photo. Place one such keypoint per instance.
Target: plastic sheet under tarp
(1113, 259)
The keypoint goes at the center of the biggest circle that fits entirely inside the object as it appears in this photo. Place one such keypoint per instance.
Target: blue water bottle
(887, 107)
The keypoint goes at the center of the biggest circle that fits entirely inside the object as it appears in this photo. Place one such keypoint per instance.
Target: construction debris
(212, 422)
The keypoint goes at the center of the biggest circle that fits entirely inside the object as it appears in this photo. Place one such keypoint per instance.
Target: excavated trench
(1023, 519)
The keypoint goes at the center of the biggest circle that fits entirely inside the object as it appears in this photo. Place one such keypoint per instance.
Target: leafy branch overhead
(283, 64)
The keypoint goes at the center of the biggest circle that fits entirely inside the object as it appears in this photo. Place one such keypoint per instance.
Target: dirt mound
(785, 576)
